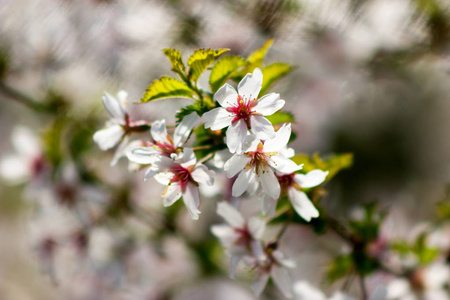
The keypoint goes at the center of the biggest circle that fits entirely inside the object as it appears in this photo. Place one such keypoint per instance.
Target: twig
(26, 100)
(363, 286)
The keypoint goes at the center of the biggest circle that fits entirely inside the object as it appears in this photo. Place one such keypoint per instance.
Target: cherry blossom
(181, 173)
(271, 263)
(240, 238)
(242, 111)
(28, 163)
(164, 144)
(303, 290)
(292, 184)
(118, 127)
(258, 162)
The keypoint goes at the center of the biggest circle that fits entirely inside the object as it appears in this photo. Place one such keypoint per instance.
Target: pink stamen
(181, 175)
(242, 110)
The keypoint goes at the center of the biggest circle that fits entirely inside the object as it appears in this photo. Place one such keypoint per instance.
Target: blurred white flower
(28, 163)
(427, 283)
(239, 237)
(303, 290)
(242, 111)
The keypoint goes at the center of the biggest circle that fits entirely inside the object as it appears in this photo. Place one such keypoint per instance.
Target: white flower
(427, 283)
(28, 163)
(293, 184)
(258, 161)
(303, 290)
(117, 128)
(241, 238)
(181, 176)
(164, 144)
(242, 111)
(272, 263)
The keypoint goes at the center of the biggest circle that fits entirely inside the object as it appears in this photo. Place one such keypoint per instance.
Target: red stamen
(242, 110)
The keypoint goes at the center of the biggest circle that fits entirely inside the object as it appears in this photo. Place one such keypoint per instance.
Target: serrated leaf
(280, 117)
(223, 69)
(256, 58)
(272, 73)
(200, 60)
(175, 59)
(166, 87)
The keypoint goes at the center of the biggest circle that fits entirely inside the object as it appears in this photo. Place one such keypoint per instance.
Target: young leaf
(272, 73)
(256, 58)
(166, 87)
(281, 117)
(332, 164)
(175, 59)
(223, 69)
(200, 60)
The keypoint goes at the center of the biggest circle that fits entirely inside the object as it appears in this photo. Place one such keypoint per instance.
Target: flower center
(181, 175)
(286, 180)
(259, 159)
(242, 110)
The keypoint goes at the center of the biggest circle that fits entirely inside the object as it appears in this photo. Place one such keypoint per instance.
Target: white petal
(268, 104)
(398, 288)
(262, 128)
(163, 163)
(152, 171)
(143, 155)
(109, 137)
(235, 164)
(114, 107)
(236, 135)
(282, 280)
(269, 206)
(230, 215)
(253, 187)
(250, 85)
(25, 142)
(171, 194)
(302, 205)
(202, 174)
(256, 227)
(260, 283)
(220, 158)
(15, 169)
(120, 151)
(303, 290)
(280, 140)
(226, 234)
(379, 293)
(226, 95)
(186, 158)
(242, 182)
(164, 178)
(184, 129)
(217, 118)
(250, 144)
(283, 164)
(234, 261)
(122, 97)
(191, 199)
(282, 260)
(287, 152)
(341, 296)
(159, 132)
(311, 179)
(269, 182)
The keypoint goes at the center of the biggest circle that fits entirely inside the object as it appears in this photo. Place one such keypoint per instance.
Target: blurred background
(372, 77)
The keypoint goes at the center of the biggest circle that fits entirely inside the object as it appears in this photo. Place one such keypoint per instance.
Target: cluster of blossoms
(257, 156)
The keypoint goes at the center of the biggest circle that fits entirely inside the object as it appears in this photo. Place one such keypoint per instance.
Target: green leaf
(166, 87)
(175, 59)
(272, 73)
(256, 58)
(223, 69)
(341, 267)
(281, 117)
(200, 60)
(332, 164)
